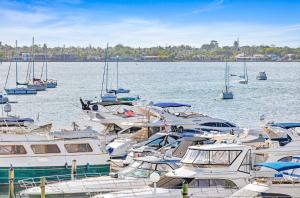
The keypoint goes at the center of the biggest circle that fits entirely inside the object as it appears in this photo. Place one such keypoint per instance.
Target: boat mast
(226, 77)
(117, 72)
(33, 58)
(16, 63)
(46, 62)
(106, 61)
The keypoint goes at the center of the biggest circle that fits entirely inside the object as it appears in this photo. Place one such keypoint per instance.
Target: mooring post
(73, 170)
(185, 189)
(42, 186)
(11, 190)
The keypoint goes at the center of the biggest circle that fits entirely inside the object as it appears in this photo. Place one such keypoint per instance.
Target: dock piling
(73, 170)
(185, 188)
(11, 190)
(42, 186)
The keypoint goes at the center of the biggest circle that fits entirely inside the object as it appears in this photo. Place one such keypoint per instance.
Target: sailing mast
(106, 62)
(16, 59)
(117, 72)
(46, 62)
(33, 59)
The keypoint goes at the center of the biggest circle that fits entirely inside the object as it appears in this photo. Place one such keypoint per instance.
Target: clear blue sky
(150, 22)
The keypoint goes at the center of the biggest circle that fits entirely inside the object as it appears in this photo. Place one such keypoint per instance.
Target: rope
(42, 70)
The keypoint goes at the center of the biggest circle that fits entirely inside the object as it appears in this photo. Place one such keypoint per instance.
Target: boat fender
(180, 129)
(87, 166)
(66, 165)
(95, 107)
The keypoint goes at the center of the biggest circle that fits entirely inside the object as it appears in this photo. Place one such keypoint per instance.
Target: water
(198, 84)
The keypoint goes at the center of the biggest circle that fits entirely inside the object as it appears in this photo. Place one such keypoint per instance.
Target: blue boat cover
(286, 125)
(16, 120)
(280, 166)
(170, 104)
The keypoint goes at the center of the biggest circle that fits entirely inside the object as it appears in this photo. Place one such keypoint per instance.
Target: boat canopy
(280, 166)
(286, 125)
(170, 104)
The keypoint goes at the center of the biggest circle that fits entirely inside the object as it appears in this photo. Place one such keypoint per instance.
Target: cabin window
(45, 148)
(202, 183)
(211, 157)
(163, 167)
(78, 148)
(246, 164)
(286, 159)
(12, 150)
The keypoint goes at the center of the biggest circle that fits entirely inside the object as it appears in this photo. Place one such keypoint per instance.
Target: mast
(226, 76)
(33, 58)
(117, 72)
(106, 61)
(16, 63)
(46, 62)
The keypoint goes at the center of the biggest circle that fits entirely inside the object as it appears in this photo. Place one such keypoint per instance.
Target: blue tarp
(286, 125)
(280, 166)
(16, 120)
(170, 104)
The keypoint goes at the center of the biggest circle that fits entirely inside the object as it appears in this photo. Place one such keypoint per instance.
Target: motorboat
(262, 76)
(283, 184)
(180, 117)
(39, 153)
(216, 170)
(136, 175)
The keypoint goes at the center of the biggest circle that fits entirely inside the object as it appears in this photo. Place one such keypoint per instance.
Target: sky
(146, 23)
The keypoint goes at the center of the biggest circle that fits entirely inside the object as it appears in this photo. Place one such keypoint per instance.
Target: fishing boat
(133, 176)
(262, 76)
(37, 154)
(244, 77)
(36, 83)
(284, 183)
(226, 94)
(19, 90)
(3, 97)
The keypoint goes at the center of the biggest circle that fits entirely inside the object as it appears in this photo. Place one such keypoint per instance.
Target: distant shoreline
(175, 61)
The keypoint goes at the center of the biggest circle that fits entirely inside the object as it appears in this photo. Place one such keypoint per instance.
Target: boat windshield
(143, 169)
(176, 183)
(210, 157)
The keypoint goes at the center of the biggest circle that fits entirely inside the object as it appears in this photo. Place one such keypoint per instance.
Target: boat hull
(38, 87)
(23, 173)
(21, 91)
(226, 95)
(51, 85)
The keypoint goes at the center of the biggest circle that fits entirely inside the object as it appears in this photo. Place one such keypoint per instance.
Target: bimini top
(280, 166)
(286, 125)
(170, 104)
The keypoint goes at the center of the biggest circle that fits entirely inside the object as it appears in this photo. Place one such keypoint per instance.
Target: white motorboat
(282, 184)
(210, 171)
(40, 153)
(180, 117)
(136, 175)
(262, 76)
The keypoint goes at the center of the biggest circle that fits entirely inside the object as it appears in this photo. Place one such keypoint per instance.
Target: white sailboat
(106, 97)
(226, 94)
(244, 78)
(19, 90)
(36, 83)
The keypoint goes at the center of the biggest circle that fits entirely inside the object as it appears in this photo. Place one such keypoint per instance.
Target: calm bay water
(198, 84)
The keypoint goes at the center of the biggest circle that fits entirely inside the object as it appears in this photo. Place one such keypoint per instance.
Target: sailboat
(36, 83)
(226, 94)
(107, 97)
(19, 90)
(118, 89)
(51, 83)
(244, 78)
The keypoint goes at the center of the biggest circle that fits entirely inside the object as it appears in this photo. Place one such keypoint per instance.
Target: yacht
(282, 184)
(38, 154)
(136, 175)
(261, 76)
(209, 170)
(181, 117)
